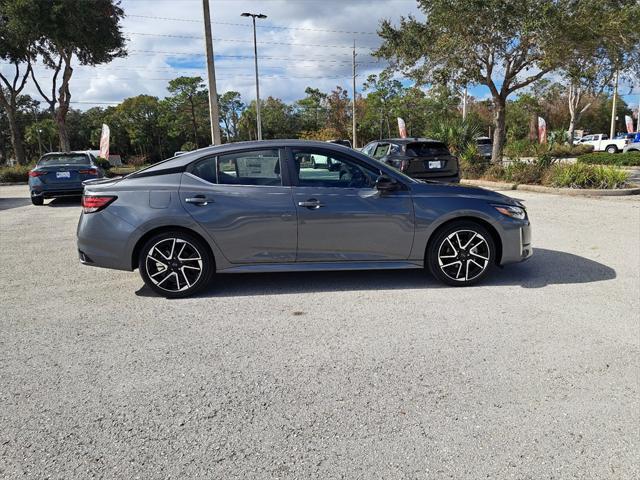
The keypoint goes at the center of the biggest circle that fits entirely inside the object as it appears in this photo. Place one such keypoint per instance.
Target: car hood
(431, 189)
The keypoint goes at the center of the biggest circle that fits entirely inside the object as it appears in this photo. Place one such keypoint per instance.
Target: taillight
(36, 173)
(89, 171)
(95, 203)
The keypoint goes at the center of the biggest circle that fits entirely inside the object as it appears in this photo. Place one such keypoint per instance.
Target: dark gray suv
(261, 207)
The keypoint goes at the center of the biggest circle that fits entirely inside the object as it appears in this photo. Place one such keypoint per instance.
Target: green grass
(580, 175)
(629, 159)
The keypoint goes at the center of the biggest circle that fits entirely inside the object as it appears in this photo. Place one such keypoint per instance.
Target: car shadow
(14, 202)
(64, 202)
(546, 267)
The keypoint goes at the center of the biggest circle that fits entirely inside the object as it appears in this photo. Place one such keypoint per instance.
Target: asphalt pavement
(358, 375)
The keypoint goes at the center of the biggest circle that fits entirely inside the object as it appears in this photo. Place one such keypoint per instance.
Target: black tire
(169, 273)
(37, 200)
(478, 250)
(612, 149)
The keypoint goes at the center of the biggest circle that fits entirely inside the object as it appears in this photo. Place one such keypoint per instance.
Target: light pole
(255, 56)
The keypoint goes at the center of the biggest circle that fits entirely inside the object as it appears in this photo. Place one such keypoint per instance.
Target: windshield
(483, 141)
(426, 149)
(64, 159)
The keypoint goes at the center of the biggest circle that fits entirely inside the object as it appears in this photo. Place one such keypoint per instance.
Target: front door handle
(200, 200)
(311, 204)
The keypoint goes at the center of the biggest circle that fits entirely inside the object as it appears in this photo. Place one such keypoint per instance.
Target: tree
(505, 45)
(600, 50)
(88, 30)
(383, 91)
(231, 108)
(312, 109)
(139, 116)
(16, 42)
(186, 92)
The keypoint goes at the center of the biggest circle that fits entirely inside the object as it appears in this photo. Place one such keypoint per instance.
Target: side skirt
(321, 266)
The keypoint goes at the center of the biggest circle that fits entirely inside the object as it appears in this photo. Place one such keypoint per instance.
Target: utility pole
(214, 113)
(464, 104)
(255, 58)
(353, 111)
(612, 132)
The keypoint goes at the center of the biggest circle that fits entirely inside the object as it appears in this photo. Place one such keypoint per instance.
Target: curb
(9, 184)
(572, 192)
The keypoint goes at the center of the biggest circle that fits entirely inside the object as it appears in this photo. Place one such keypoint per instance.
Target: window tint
(62, 159)
(368, 150)
(381, 150)
(483, 141)
(332, 170)
(426, 149)
(257, 167)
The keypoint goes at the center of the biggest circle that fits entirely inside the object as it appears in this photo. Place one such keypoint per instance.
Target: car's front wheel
(175, 264)
(461, 254)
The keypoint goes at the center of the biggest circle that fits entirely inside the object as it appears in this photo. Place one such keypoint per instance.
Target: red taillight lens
(36, 173)
(89, 171)
(95, 203)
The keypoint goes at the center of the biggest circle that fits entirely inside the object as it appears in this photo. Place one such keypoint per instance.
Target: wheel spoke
(478, 255)
(455, 251)
(464, 255)
(183, 272)
(450, 264)
(470, 240)
(186, 280)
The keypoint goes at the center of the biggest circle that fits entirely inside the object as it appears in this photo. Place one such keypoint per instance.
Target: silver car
(261, 207)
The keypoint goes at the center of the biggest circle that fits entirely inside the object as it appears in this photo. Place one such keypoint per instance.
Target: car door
(342, 216)
(241, 200)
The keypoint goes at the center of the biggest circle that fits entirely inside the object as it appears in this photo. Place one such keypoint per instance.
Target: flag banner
(402, 128)
(542, 130)
(629, 121)
(104, 142)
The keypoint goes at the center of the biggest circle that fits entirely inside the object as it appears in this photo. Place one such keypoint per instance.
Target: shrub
(495, 172)
(17, 173)
(580, 175)
(520, 148)
(458, 134)
(523, 172)
(630, 159)
(103, 163)
(566, 150)
(472, 165)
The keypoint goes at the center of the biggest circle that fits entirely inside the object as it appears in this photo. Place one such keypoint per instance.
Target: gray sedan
(261, 207)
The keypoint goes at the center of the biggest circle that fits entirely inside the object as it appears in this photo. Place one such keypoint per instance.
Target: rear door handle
(200, 200)
(311, 204)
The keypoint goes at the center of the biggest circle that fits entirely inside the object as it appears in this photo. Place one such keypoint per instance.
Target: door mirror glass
(385, 183)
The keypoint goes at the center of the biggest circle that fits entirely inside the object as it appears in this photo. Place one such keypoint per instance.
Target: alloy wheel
(174, 264)
(464, 255)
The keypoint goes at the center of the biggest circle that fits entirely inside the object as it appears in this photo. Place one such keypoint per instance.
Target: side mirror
(386, 184)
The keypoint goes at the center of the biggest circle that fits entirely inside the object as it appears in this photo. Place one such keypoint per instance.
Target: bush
(495, 173)
(566, 150)
(103, 163)
(630, 159)
(523, 172)
(525, 148)
(580, 175)
(18, 173)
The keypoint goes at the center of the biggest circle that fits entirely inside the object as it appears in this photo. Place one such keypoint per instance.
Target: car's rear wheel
(37, 199)
(612, 149)
(175, 264)
(461, 254)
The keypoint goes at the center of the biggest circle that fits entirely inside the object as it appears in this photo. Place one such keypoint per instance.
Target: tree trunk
(533, 128)
(195, 124)
(16, 137)
(64, 99)
(500, 130)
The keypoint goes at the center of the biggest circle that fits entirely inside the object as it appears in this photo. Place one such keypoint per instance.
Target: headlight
(511, 211)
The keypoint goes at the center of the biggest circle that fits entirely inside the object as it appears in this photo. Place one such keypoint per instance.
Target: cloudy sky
(301, 43)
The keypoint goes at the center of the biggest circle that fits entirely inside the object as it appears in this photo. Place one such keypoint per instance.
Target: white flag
(542, 130)
(104, 142)
(402, 128)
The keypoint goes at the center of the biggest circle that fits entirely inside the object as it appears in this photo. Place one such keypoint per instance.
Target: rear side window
(381, 150)
(256, 167)
(64, 159)
(426, 149)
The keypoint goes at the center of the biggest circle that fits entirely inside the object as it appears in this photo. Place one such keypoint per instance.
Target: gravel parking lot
(357, 375)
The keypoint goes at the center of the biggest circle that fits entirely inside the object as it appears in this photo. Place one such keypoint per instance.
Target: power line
(237, 40)
(296, 59)
(274, 27)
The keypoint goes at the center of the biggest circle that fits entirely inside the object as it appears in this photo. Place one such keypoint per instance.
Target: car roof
(403, 141)
(187, 158)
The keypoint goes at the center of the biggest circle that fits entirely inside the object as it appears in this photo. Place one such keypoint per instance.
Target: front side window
(381, 150)
(368, 150)
(256, 167)
(336, 170)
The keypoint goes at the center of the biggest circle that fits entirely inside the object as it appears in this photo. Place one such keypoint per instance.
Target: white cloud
(287, 63)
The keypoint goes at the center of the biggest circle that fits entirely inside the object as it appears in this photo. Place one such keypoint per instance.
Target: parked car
(420, 158)
(632, 147)
(320, 161)
(344, 143)
(60, 174)
(254, 207)
(485, 147)
(602, 143)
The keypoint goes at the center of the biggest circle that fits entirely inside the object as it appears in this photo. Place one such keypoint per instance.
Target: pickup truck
(602, 143)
